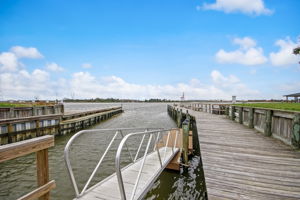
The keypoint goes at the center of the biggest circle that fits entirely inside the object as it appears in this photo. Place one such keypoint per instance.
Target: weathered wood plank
(240, 163)
(14, 150)
(42, 167)
(39, 191)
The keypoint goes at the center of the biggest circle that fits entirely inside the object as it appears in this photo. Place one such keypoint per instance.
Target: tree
(296, 51)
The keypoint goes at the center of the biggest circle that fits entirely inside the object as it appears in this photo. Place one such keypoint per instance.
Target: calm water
(17, 177)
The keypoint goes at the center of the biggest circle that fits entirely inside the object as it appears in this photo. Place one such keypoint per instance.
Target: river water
(18, 176)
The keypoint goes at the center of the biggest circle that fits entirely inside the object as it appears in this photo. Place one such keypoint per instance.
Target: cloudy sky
(208, 49)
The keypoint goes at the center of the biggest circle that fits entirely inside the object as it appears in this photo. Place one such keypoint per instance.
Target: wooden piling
(268, 126)
(296, 131)
(185, 140)
(232, 113)
(251, 117)
(179, 117)
(241, 115)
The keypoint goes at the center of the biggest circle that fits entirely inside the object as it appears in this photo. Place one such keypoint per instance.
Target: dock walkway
(108, 189)
(240, 163)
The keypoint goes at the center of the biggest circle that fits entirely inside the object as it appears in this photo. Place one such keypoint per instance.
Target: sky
(208, 49)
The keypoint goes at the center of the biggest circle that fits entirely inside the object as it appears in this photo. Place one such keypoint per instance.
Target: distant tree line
(112, 100)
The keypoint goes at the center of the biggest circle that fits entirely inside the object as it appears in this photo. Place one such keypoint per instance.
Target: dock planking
(108, 189)
(240, 163)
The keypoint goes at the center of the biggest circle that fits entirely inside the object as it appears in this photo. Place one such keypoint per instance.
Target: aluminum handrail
(119, 151)
(73, 138)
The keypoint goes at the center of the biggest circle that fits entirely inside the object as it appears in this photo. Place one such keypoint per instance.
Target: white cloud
(86, 65)
(8, 61)
(25, 85)
(250, 7)
(54, 67)
(40, 75)
(86, 85)
(247, 54)
(26, 52)
(245, 43)
(285, 54)
(18, 83)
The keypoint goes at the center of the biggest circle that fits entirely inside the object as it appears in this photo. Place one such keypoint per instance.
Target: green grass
(14, 105)
(279, 106)
(26, 104)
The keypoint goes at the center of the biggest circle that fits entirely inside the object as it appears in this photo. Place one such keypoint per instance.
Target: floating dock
(161, 147)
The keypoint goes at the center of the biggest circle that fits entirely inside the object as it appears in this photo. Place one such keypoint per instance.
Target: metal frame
(156, 132)
(118, 131)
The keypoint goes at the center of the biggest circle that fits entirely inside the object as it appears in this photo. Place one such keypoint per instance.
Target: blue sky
(209, 49)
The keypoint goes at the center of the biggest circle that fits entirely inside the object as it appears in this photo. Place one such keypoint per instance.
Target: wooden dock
(240, 163)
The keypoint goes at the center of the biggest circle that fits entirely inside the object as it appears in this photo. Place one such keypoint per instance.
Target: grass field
(13, 105)
(5, 104)
(280, 106)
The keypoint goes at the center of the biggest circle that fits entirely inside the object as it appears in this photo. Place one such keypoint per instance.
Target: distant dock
(21, 123)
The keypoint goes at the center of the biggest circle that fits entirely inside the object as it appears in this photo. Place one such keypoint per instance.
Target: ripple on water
(18, 176)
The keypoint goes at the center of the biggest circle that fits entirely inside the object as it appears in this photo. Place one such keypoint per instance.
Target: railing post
(241, 115)
(185, 140)
(268, 126)
(232, 113)
(251, 117)
(227, 110)
(12, 112)
(296, 131)
(42, 170)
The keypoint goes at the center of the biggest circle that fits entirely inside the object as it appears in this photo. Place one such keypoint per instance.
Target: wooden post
(42, 170)
(296, 131)
(185, 140)
(251, 117)
(233, 113)
(241, 115)
(179, 117)
(9, 133)
(227, 111)
(268, 127)
(11, 113)
(37, 128)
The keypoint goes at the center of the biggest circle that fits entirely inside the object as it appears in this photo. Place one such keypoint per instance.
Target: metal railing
(155, 133)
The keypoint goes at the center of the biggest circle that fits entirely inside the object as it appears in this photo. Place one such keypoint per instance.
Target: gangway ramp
(134, 180)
